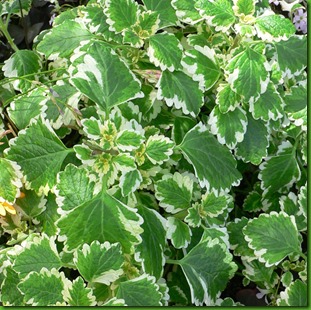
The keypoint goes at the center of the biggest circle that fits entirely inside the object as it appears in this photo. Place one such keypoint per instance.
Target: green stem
(5, 32)
(304, 256)
(30, 90)
(9, 79)
(57, 7)
(24, 24)
(172, 261)
(105, 182)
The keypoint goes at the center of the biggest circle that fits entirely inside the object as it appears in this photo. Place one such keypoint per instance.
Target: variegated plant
(160, 151)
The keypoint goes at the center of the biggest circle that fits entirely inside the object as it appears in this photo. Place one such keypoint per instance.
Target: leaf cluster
(151, 153)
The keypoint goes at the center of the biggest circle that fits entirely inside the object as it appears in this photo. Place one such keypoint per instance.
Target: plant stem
(172, 261)
(5, 32)
(304, 256)
(9, 79)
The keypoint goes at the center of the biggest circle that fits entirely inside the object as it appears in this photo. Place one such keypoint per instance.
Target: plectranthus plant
(154, 154)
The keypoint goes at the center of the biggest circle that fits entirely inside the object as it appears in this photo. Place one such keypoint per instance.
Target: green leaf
(15, 7)
(295, 295)
(130, 182)
(129, 140)
(49, 217)
(302, 200)
(63, 16)
(289, 206)
(202, 65)
(100, 263)
(62, 104)
(178, 287)
(214, 165)
(27, 106)
(208, 268)
(242, 8)
(269, 106)
(122, 14)
(248, 74)
(10, 294)
(103, 218)
(39, 163)
(182, 124)
(94, 18)
(279, 171)
(79, 295)
(292, 55)
(272, 237)
(159, 149)
(257, 272)
(7, 93)
(151, 250)
(92, 127)
(180, 90)
(103, 77)
(10, 180)
(165, 10)
(22, 63)
(40, 253)
(146, 26)
(245, 30)
(254, 146)
(226, 98)
(165, 51)
(216, 232)
(296, 99)
(237, 241)
(114, 302)
(193, 217)
(74, 187)
(227, 302)
(178, 232)
(218, 13)
(274, 28)
(31, 205)
(123, 162)
(53, 44)
(174, 192)
(212, 205)
(96, 21)
(230, 127)
(299, 119)
(44, 288)
(186, 12)
(141, 291)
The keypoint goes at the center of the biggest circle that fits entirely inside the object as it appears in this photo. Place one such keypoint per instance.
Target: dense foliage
(155, 154)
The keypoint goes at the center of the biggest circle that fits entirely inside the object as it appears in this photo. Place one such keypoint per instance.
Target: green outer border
(308, 199)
